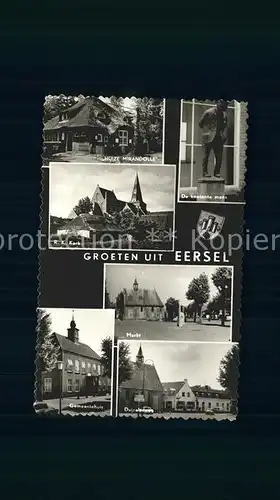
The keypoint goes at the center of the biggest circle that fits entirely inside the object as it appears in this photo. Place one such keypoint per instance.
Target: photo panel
(105, 206)
(92, 129)
(165, 302)
(187, 380)
(74, 362)
(213, 137)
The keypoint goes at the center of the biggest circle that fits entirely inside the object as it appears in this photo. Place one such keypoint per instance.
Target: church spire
(136, 191)
(140, 357)
(135, 285)
(73, 332)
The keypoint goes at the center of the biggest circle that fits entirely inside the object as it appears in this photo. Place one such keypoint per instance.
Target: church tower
(73, 332)
(140, 357)
(136, 197)
(135, 285)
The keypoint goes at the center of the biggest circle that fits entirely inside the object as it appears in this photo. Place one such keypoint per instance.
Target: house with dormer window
(90, 126)
(180, 396)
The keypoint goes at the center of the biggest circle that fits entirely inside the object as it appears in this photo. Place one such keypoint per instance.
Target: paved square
(161, 330)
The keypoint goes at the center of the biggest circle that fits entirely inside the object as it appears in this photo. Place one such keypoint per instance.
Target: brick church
(145, 382)
(141, 303)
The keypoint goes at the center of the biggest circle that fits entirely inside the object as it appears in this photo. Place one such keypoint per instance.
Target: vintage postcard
(213, 136)
(177, 380)
(74, 362)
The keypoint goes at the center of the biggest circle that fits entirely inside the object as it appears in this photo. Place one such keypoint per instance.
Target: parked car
(42, 408)
(145, 409)
(209, 412)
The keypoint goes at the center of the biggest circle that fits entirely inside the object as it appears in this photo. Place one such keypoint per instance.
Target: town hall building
(82, 373)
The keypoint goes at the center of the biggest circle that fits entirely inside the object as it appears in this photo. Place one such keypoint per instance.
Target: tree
(55, 104)
(125, 366)
(229, 372)
(146, 233)
(222, 281)
(190, 309)
(84, 206)
(47, 350)
(108, 303)
(120, 306)
(199, 292)
(172, 306)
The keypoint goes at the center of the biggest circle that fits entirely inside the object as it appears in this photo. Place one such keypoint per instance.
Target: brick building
(82, 373)
(140, 303)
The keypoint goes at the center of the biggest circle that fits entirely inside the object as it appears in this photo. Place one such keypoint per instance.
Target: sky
(197, 362)
(69, 182)
(94, 324)
(169, 281)
(127, 103)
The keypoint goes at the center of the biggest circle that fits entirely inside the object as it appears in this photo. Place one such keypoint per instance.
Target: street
(184, 416)
(161, 330)
(65, 403)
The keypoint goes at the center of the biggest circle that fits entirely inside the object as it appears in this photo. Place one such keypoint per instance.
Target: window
(188, 394)
(63, 116)
(209, 404)
(94, 367)
(223, 405)
(98, 369)
(69, 365)
(99, 138)
(51, 136)
(69, 385)
(62, 137)
(89, 367)
(106, 138)
(183, 394)
(152, 309)
(218, 404)
(77, 385)
(123, 135)
(191, 152)
(47, 385)
(77, 366)
(83, 367)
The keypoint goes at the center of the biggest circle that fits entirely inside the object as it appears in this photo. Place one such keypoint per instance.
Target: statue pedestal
(211, 189)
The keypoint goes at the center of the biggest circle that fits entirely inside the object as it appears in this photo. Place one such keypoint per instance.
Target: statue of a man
(214, 135)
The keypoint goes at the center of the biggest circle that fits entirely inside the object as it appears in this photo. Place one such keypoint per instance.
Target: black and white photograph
(213, 136)
(128, 207)
(111, 129)
(177, 380)
(170, 302)
(74, 362)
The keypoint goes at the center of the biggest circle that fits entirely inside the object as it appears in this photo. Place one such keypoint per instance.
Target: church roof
(141, 297)
(90, 222)
(78, 348)
(172, 386)
(151, 379)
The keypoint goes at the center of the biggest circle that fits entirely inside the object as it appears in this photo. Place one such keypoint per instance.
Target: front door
(69, 141)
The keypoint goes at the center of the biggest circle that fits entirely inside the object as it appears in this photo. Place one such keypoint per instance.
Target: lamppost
(143, 388)
(60, 369)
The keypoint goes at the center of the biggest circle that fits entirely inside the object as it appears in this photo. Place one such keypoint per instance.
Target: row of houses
(146, 386)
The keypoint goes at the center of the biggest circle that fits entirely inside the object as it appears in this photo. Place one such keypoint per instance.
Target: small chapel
(141, 303)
